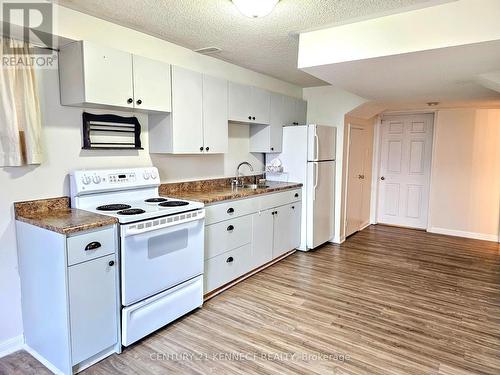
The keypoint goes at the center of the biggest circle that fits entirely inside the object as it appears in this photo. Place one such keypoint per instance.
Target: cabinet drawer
(228, 210)
(227, 235)
(223, 268)
(91, 245)
(280, 199)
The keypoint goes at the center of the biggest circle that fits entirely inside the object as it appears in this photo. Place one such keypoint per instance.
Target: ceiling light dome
(255, 8)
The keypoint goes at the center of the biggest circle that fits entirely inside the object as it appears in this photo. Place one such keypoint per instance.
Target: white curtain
(20, 116)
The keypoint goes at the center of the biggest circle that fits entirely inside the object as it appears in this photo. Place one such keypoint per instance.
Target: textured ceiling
(267, 45)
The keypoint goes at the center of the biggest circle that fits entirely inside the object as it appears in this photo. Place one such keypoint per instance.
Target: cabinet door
(260, 105)
(152, 85)
(262, 237)
(215, 122)
(295, 210)
(240, 97)
(108, 76)
(277, 120)
(92, 306)
(282, 224)
(187, 116)
(300, 111)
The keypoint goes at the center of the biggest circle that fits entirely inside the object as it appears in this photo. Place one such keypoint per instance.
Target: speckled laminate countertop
(216, 193)
(55, 215)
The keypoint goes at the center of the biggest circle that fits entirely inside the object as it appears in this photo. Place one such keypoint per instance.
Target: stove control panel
(88, 181)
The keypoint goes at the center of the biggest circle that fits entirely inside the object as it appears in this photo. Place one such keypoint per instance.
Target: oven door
(160, 253)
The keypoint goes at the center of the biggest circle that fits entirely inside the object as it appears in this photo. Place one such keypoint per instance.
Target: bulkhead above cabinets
(95, 76)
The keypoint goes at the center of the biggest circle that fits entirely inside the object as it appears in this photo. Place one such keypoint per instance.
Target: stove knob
(146, 175)
(154, 175)
(96, 179)
(86, 180)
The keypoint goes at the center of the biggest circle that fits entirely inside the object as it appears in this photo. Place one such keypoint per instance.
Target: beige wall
(465, 182)
(62, 142)
(328, 105)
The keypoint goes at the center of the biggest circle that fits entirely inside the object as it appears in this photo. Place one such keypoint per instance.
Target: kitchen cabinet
(215, 123)
(152, 84)
(92, 302)
(96, 76)
(262, 237)
(249, 104)
(269, 138)
(198, 122)
(245, 234)
(70, 283)
(295, 111)
(286, 221)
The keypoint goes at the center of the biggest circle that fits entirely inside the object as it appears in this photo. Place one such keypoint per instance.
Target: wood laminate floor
(387, 301)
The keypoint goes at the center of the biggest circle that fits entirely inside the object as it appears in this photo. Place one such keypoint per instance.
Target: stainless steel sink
(254, 186)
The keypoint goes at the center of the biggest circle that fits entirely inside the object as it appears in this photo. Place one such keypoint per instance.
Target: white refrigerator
(308, 156)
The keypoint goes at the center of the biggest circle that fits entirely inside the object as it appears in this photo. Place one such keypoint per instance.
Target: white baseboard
(11, 345)
(460, 233)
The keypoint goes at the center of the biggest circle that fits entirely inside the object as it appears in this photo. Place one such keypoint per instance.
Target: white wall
(465, 182)
(62, 141)
(327, 105)
(454, 23)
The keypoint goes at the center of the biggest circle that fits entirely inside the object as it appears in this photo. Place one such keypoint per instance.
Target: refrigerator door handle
(316, 144)
(315, 174)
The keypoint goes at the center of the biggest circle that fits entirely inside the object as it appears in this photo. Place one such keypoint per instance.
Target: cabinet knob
(382, 178)
(230, 210)
(139, 102)
(130, 100)
(296, 195)
(293, 207)
(201, 148)
(272, 148)
(230, 228)
(111, 263)
(249, 117)
(93, 245)
(207, 148)
(253, 118)
(229, 260)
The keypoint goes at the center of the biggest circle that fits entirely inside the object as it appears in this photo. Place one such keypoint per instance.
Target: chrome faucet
(236, 181)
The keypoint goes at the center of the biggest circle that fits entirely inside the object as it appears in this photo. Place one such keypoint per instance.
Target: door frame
(377, 139)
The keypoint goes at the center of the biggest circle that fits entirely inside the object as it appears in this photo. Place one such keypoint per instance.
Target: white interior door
(355, 180)
(404, 173)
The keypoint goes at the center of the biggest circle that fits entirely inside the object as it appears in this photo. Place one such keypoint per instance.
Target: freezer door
(321, 143)
(320, 202)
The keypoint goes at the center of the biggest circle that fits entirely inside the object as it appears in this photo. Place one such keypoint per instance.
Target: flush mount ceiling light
(255, 8)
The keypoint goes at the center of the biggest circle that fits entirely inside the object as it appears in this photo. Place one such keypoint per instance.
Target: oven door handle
(150, 226)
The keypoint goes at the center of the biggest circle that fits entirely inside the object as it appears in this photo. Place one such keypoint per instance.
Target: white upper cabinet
(268, 138)
(152, 85)
(187, 111)
(198, 123)
(249, 104)
(296, 111)
(215, 122)
(95, 76)
(260, 105)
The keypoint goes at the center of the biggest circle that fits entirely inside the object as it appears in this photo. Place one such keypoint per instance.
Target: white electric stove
(161, 245)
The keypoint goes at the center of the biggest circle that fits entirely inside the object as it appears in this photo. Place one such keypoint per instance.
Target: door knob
(382, 178)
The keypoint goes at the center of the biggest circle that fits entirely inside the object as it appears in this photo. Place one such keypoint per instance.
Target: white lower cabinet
(69, 289)
(259, 230)
(262, 237)
(92, 305)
